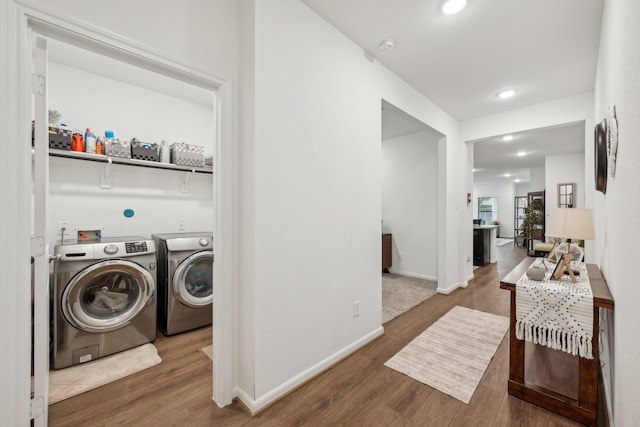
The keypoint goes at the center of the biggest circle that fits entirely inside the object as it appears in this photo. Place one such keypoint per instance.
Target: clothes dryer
(185, 281)
(103, 298)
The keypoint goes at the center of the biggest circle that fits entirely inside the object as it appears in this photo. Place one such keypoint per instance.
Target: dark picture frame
(600, 156)
(558, 264)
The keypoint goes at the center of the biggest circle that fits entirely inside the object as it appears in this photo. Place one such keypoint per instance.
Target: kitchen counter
(484, 246)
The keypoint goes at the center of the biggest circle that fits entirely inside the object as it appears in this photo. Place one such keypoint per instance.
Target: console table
(583, 408)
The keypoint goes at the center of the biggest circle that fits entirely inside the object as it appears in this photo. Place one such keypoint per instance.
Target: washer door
(107, 295)
(193, 280)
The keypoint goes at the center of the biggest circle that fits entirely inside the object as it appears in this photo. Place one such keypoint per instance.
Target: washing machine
(103, 298)
(185, 281)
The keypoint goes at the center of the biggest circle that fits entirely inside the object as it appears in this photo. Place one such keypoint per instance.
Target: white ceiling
(396, 122)
(493, 157)
(543, 49)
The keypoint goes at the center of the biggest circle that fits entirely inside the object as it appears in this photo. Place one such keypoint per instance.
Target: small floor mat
(68, 382)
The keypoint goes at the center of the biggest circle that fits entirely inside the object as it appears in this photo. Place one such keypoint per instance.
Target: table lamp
(570, 223)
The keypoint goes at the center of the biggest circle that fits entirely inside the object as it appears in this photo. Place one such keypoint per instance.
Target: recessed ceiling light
(452, 7)
(506, 94)
(475, 170)
(517, 180)
(507, 137)
(522, 153)
(507, 175)
(386, 45)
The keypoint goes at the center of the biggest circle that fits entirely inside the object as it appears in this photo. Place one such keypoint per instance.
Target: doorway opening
(409, 211)
(99, 83)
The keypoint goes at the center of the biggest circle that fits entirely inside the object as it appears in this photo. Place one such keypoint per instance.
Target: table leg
(516, 348)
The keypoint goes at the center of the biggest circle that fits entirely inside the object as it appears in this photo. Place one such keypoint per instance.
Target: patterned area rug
(402, 293)
(453, 353)
(68, 382)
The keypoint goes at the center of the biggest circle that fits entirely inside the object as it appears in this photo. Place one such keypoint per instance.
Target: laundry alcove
(106, 84)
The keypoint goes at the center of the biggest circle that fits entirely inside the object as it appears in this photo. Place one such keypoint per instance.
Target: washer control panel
(135, 247)
(106, 248)
(111, 249)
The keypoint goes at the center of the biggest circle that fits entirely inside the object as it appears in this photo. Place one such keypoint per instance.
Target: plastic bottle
(100, 145)
(89, 141)
(164, 152)
(77, 144)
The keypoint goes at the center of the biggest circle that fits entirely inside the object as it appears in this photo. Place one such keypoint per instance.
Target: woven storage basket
(187, 154)
(117, 148)
(59, 138)
(145, 151)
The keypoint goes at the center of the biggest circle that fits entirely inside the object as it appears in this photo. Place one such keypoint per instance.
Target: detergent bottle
(89, 142)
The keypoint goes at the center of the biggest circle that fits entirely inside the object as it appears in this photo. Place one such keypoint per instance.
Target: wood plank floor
(359, 391)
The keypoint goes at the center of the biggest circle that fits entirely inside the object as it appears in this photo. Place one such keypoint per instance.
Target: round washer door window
(107, 295)
(193, 280)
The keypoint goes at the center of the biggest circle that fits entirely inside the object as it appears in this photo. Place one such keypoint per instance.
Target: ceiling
(543, 49)
(396, 122)
(494, 158)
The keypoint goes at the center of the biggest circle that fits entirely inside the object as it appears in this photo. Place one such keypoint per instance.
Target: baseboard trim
(447, 291)
(416, 275)
(255, 406)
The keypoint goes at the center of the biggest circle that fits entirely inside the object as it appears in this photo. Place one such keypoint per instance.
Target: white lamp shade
(570, 223)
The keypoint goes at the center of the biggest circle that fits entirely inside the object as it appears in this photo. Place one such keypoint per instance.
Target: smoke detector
(386, 45)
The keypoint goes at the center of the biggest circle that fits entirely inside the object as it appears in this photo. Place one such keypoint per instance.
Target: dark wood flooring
(359, 391)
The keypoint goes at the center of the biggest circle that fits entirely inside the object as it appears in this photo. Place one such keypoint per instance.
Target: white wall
(88, 100)
(15, 174)
(537, 179)
(409, 202)
(504, 192)
(617, 213)
(312, 176)
(521, 189)
(562, 169)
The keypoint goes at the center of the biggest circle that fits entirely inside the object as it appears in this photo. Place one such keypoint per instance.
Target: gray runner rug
(453, 353)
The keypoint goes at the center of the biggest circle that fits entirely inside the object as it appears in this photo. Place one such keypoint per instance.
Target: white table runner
(557, 314)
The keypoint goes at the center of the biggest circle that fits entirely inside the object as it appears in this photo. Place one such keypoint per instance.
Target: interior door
(40, 250)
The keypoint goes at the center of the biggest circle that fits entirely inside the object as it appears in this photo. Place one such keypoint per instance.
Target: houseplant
(532, 219)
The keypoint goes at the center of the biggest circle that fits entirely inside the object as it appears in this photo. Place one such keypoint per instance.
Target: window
(487, 208)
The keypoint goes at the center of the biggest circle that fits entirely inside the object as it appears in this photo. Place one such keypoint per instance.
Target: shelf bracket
(185, 181)
(105, 179)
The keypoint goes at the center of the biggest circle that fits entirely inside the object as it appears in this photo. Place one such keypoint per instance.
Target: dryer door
(193, 280)
(107, 295)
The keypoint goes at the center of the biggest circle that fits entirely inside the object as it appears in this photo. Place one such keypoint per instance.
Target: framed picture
(564, 263)
(558, 264)
(600, 156)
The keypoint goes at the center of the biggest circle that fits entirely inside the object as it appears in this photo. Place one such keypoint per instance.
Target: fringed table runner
(557, 314)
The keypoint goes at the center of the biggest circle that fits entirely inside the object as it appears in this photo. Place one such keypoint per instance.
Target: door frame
(49, 24)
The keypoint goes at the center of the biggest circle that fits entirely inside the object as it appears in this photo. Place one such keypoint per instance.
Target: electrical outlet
(356, 308)
(181, 225)
(468, 258)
